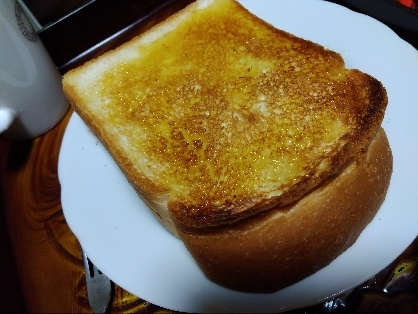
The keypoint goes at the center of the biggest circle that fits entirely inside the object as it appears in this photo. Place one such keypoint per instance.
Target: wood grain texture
(42, 270)
(47, 255)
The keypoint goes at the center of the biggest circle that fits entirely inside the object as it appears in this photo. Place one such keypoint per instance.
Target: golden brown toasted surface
(270, 251)
(225, 116)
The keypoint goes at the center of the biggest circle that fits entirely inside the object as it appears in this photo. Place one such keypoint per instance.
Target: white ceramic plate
(127, 243)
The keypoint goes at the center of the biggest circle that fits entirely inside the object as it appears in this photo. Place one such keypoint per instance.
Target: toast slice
(214, 115)
(257, 148)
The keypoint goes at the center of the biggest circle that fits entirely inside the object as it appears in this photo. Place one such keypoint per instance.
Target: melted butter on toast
(226, 110)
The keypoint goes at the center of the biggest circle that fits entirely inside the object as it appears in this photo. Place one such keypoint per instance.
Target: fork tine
(99, 286)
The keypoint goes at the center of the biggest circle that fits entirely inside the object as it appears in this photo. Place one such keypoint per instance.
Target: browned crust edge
(368, 110)
(272, 251)
(234, 211)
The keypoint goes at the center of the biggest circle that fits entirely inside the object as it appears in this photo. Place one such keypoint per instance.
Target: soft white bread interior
(238, 136)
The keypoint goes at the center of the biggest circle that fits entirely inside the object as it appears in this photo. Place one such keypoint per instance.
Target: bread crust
(279, 248)
(204, 209)
(263, 240)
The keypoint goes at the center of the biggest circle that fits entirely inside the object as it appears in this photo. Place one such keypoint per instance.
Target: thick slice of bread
(286, 244)
(220, 121)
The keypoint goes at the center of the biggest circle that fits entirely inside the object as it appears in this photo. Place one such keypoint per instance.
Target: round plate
(125, 241)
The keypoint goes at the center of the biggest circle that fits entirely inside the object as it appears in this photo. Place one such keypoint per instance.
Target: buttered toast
(224, 124)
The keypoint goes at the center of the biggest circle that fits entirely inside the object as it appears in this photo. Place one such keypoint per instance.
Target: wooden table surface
(43, 270)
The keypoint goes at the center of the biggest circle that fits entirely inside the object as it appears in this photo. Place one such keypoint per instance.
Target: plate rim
(67, 135)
